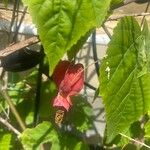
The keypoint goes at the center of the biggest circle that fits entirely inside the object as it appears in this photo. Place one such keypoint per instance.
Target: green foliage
(146, 35)
(42, 133)
(116, 2)
(5, 140)
(63, 27)
(83, 109)
(147, 130)
(69, 142)
(75, 48)
(136, 131)
(61, 23)
(3, 104)
(48, 91)
(125, 77)
(21, 91)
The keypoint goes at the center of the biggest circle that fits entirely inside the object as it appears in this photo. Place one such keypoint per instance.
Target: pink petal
(61, 101)
(73, 80)
(69, 79)
(60, 71)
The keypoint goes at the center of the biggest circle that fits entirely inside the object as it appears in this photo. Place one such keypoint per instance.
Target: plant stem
(131, 139)
(90, 86)
(18, 26)
(106, 31)
(95, 52)
(9, 126)
(147, 7)
(13, 109)
(134, 15)
(38, 92)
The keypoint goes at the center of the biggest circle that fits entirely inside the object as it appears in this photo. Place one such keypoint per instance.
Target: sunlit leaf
(147, 130)
(61, 23)
(5, 141)
(42, 133)
(125, 77)
(146, 34)
(75, 48)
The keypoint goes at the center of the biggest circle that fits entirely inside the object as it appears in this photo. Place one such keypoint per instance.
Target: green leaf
(5, 141)
(83, 109)
(26, 114)
(69, 142)
(147, 130)
(130, 147)
(125, 77)
(146, 34)
(21, 91)
(75, 48)
(116, 2)
(61, 23)
(48, 91)
(136, 131)
(3, 104)
(42, 133)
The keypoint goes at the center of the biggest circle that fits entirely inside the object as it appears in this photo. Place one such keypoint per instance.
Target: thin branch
(90, 86)
(10, 9)
(94, 48)
(146, 10)
(38, 91)
(13, 109)
(134, 15)
(13, 18)
(3, 110)
(106, 30)
(138, 142)
(9, 126)
(122, 4)
(14, 39)
(21, 20)
(18, 46)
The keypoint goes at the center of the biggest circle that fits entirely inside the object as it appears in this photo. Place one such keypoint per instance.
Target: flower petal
(73, 80)
(61, 101)
(60, 71)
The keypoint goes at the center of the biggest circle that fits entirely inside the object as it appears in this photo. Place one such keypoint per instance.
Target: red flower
(69, 78)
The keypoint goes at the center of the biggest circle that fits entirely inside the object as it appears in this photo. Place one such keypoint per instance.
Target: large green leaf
(61, 23)
(75, 48)
(125, 77)
(43, 133)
